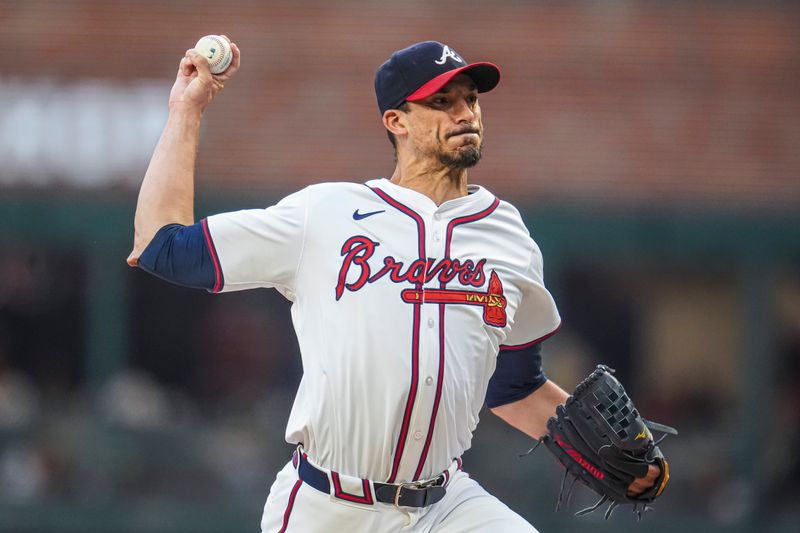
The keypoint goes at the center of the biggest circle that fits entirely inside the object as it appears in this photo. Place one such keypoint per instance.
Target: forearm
(167, 192)
(531, 413)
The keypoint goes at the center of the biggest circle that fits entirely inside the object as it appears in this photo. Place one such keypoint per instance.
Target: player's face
(447, 125)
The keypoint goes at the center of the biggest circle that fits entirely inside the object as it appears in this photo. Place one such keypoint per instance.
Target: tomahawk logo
(447, 52)
(492, 301)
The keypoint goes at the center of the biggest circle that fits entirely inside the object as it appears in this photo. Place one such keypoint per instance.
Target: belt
(412, 494)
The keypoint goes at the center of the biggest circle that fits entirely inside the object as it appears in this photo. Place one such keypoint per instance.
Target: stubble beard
(467, 157)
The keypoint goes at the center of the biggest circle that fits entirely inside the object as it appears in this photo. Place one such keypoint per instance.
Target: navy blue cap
(417, 72)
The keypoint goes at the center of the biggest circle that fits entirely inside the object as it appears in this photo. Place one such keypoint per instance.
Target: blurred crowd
(199, 410)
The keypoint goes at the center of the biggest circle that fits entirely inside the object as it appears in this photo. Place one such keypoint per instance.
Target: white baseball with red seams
(217, 50)
(391, 388)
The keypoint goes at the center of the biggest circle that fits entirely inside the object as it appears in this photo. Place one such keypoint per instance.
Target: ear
(395, 121)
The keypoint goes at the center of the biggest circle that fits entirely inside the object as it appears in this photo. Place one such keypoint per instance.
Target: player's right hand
(195, 86)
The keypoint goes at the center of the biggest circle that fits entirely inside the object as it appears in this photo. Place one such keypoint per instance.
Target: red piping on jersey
(465, 220)
(440, 380)
(411, 213)
(412, 391)
(214, 258)
(290, 505)
(531, 343)
(439, 385)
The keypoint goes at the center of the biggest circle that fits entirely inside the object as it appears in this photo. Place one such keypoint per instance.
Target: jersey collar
(476, 200)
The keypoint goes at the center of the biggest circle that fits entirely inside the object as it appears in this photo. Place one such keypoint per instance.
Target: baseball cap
(417, 72)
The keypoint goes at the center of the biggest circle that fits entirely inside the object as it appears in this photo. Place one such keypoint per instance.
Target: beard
(467, 157)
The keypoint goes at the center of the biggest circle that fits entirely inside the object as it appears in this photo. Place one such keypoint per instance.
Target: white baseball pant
(294, 506)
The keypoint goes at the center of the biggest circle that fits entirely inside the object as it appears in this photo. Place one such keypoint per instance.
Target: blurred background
(652, 147)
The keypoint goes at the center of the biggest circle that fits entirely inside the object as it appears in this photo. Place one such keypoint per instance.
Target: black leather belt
(414, 494)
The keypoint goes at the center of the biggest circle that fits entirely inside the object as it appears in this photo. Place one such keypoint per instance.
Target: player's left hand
(601, 440)
(641, 484)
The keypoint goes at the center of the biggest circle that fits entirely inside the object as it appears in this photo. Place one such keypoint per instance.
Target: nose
(463, 112)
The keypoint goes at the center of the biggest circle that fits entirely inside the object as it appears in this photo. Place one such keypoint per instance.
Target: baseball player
(415, 299)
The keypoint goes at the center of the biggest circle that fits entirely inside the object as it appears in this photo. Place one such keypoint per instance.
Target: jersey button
(429, 380)
(417, 435)
(437, 216)
(430, 323)
(436, 237)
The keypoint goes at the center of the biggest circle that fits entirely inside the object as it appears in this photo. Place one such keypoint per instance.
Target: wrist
(184, 109)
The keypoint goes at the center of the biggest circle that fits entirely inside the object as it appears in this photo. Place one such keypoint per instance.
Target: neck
(437, 182)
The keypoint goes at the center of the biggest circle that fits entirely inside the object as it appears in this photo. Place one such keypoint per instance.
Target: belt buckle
(399, 489)
(427, 483)
(416, 485)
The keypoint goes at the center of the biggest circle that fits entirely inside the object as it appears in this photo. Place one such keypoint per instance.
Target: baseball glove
(601, 440)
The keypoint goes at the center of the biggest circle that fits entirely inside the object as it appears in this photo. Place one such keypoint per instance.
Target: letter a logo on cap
(447, 52)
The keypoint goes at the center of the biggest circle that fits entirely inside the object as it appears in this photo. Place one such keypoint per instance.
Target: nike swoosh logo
(359, 216)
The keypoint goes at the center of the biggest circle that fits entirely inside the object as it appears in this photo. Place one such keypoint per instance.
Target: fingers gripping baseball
(195, 85)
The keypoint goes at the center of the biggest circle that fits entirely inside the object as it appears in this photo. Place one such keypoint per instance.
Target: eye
(439, 101)
(472, 99)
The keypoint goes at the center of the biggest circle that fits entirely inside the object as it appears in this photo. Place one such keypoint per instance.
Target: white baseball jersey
(400, 307)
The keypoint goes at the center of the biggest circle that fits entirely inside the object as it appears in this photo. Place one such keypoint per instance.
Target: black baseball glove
(601, 440)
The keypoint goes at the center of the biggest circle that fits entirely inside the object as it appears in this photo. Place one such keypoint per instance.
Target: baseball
(218, 52)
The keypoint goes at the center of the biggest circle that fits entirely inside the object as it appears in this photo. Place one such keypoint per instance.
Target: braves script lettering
(358, 250)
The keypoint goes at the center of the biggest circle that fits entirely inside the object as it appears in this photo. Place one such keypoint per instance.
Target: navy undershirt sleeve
(180, 254)
(518, 373)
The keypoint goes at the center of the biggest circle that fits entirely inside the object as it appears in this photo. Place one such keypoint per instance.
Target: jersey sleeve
(260, 247)
(518, 373)
(181, 255)
(537, 316)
